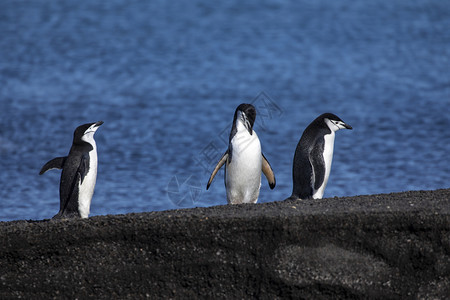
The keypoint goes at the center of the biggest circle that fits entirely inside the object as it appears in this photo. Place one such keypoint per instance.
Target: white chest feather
(243, 174)
(86, 188)
(327, 158)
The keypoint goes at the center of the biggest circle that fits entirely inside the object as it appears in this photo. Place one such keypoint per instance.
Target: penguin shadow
(332, 268)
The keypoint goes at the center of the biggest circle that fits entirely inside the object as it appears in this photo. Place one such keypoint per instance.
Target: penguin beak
(94, 127)
(249, 128)
(342, 125)
(247, 124)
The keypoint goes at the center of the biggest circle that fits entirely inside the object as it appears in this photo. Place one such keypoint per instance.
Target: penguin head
(85, 132)
(334, 122)
(245, 116)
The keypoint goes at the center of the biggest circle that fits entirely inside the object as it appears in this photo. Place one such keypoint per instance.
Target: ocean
(167, 76)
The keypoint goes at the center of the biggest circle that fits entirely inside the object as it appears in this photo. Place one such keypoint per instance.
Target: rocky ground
(377, 246)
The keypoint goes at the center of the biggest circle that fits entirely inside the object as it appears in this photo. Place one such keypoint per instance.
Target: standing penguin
(313, 157)
(244, 160)
(79, 173)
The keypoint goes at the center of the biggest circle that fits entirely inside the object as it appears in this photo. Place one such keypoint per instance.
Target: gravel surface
(377, 246)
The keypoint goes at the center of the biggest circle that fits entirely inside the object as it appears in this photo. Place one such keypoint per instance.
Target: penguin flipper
(69, 202)
(84, 167)
(268, 172)
(69, 205)
(219, 165)
(317, 164)
(56, 163)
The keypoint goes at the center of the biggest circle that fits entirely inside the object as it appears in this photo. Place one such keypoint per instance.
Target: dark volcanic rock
(380, 246)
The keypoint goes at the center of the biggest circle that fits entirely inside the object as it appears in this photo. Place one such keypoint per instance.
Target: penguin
(313, 157)
(244, 160)
(79, 173)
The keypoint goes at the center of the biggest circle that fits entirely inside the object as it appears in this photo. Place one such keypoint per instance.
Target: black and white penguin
(79, 173)
(244, 160)
(313, 157)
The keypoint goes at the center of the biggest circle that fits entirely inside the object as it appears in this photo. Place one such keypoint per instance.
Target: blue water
(166, 77)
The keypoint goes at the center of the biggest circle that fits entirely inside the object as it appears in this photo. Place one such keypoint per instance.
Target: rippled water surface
(166, 77)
